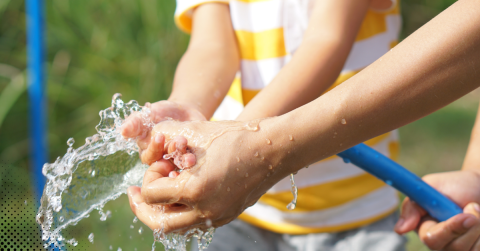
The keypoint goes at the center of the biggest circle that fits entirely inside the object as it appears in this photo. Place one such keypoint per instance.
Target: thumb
(410, 217)
(472, 208)
(133, 126)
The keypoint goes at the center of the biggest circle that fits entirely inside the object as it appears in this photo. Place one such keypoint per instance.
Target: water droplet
(344, 122)
(256, 154)
(238, 159)
(70, 142)
(270, 167)
(131, 226)
(389, 182)
(262, 158)
(25, 202)
(90, 238)
(246, 175)
(93, 173)
(245, 185)
(61, 219)
(110, 247)
(73, 242)
(238, 169)
(119, 249)
(228, 189)
(208, 223)
(294, 189)
(269, 142)
(290, 137)
(140, 230)
(346, 160)
(135, 219)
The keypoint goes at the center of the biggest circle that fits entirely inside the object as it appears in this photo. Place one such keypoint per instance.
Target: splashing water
(293, 204)
(90, 237)
(101, 170)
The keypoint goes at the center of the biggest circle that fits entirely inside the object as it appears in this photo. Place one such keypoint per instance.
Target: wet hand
(234, 168)
(461, 232)
(149, 144)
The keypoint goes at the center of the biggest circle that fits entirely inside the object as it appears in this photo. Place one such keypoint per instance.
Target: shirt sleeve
(183, 12)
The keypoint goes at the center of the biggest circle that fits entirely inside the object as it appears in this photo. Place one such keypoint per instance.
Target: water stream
(101, 170)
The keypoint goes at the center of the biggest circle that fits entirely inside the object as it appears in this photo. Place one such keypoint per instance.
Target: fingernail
(158, 138)
(476, 207)
(469, 222)
(400, 223)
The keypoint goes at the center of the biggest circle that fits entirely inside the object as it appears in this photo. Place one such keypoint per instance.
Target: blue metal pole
(36, 87)
(436, 204)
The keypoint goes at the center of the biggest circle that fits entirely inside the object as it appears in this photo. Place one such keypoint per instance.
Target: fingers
(445, 234)
(154, 150)
(170, 221)
(133, 198)
(410, 217)
(157, 170)
(177, 150)
(133, 126)
(172, 218)
(173, 174)
(164, 191)
(472, 208)
(189, 160)
(178, 143)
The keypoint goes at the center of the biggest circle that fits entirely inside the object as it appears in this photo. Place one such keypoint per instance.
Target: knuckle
(146, 192)
(431, 243)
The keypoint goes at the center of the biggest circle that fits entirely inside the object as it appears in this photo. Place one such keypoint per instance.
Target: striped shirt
(332, 195)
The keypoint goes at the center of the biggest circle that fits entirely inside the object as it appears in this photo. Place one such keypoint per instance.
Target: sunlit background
(100, 47)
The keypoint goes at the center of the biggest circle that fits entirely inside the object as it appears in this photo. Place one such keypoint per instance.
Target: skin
(212, 59)
(317, 62)
(461, 232)
(411, 81)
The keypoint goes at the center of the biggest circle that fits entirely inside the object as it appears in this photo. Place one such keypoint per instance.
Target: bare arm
(316, 64)
(211, 61)
(434, 66)
(431, 68)
(472, 159)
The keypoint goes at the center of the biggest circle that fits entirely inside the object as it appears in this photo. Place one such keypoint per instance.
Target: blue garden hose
(382, 167)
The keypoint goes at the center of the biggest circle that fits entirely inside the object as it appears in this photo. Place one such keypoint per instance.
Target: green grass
(96, 48)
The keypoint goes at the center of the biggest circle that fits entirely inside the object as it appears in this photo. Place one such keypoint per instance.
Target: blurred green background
(98, 48)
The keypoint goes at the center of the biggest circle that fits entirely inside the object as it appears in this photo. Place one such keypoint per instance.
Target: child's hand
(234, 168)
(461, 232)
(149, 144)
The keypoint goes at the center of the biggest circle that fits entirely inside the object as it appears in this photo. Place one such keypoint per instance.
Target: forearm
(312, 70)
(211, 61)
(431, 68)
(317, 62)
(203, 78)
(472, 159)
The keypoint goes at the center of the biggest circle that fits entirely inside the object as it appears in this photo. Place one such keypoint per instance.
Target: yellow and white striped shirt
(332, 195)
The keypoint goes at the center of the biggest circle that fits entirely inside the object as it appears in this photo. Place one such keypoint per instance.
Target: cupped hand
(461, 232)
(235, 166)
(135, 127)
